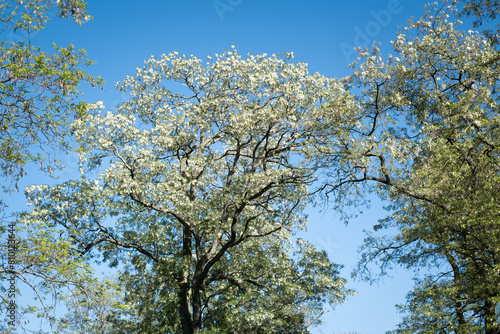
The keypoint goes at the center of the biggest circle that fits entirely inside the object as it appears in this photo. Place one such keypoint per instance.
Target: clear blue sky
(321, 33)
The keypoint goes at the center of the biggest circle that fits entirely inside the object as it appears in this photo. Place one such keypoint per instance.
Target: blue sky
(321, 33)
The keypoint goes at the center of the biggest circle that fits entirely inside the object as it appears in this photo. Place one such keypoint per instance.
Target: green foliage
(432, 147)
(45, 268)
(91, 308)
(261, 289)
(38, 102)
(37, 88)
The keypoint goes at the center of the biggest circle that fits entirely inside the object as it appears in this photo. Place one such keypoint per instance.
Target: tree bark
(196, 309)
(457, 279)
(184, 288)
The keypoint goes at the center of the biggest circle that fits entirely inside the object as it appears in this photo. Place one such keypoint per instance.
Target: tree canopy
(196, 186)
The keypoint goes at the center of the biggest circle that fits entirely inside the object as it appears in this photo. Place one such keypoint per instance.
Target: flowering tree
(430, 143)
(196, 194)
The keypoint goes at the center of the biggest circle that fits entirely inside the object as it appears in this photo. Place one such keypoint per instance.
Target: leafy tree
(430, 144)
(37, 88)
(38, 102)
(197, 193)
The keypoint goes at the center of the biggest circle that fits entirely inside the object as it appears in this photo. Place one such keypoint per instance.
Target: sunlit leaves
(433, 149)
(37, 87)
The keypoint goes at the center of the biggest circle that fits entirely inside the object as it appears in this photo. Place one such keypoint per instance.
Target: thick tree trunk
(196, 310)
(198, 279)
(184, 293)
(457, 278)
(187, 326)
